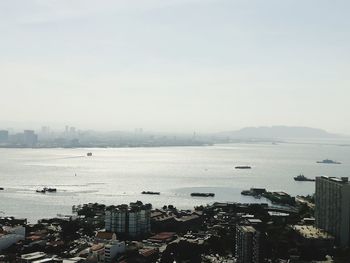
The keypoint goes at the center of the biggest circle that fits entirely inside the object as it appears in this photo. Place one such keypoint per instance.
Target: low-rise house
(163, 237)
(103, 236)
(113, 249)
(10, 236)
(32, 257)
(311, 236)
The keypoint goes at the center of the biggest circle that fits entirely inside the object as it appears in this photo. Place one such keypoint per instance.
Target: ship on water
(328, 161)
(203, 194)
(243, 167)
(150, 193)
(303, 178)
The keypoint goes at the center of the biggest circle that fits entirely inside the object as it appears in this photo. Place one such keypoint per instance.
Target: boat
(50, 190)
(256, 192)
(246, 192)
(150, 193)
(302, 178)
(243, 167)
(203, 194)
(2, 188)
(46, 189)
(328, 161)
(89, 154)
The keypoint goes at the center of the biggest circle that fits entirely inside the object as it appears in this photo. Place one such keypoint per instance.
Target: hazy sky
(203, 65)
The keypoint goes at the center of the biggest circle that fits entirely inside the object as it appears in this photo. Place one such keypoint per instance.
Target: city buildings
(9, 236)
(132, 221)
(312, 237)
(4, 136)
(248, 245)
(112, 249)
(332, 207)
(29, 138)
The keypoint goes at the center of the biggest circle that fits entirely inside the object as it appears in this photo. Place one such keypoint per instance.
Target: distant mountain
(276, 132)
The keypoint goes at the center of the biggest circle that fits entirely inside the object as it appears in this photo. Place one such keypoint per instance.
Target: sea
(119, 175)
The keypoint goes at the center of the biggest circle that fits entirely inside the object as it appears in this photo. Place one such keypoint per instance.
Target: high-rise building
(132, 221)
(4, 136)
(332, 210)
(30, 138)
(248, 244)
(115, 218)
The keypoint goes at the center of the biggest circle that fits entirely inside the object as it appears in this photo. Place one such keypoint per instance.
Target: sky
(175, 65)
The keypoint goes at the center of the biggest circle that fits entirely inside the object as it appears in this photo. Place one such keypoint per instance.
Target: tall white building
(332, 210)
(132, 221)
(112, 249)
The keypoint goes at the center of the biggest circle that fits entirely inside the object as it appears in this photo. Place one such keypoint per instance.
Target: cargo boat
(150, 193)
(46, 189)
(328, 161)
(203, 194)
(243, 167)
(303, 178)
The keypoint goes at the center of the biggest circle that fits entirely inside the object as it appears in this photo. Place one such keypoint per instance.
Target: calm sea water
(118, 175)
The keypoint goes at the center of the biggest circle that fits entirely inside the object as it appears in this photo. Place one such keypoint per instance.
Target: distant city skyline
(177, 65)
(274, 131)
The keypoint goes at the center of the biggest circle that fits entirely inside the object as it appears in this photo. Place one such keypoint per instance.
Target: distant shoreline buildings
(71, 137)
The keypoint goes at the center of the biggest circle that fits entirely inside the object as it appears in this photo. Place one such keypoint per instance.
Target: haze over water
(119, 175)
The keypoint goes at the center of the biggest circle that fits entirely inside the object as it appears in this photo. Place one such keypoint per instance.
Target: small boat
(150, 193)
(328, 161)
(50, 190)
(89, 154)
(203, 194)
(256, 192)
(246, 192)
(243, 167)
(46, 189)
(2, 188)
(303, 178)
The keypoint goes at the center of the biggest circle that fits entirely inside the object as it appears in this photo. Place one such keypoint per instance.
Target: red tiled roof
(104, 235)
(162, 237)
(34, 238)
(96, 247)
(149, 252)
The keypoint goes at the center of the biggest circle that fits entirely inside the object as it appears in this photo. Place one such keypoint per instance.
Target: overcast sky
(182, 65)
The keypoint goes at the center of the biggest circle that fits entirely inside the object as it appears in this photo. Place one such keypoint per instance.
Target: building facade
(332, 208)
(113, 249)
(30, 139)
(248, 244)
(10, 236)
(132, 221)
(4, 136)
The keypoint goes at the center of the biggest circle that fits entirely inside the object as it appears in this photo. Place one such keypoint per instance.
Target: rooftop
(340, 180)
(311, 232)
(33, 256)
(248, 229)
(97, 247)
(162, 237)
(105, 235)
